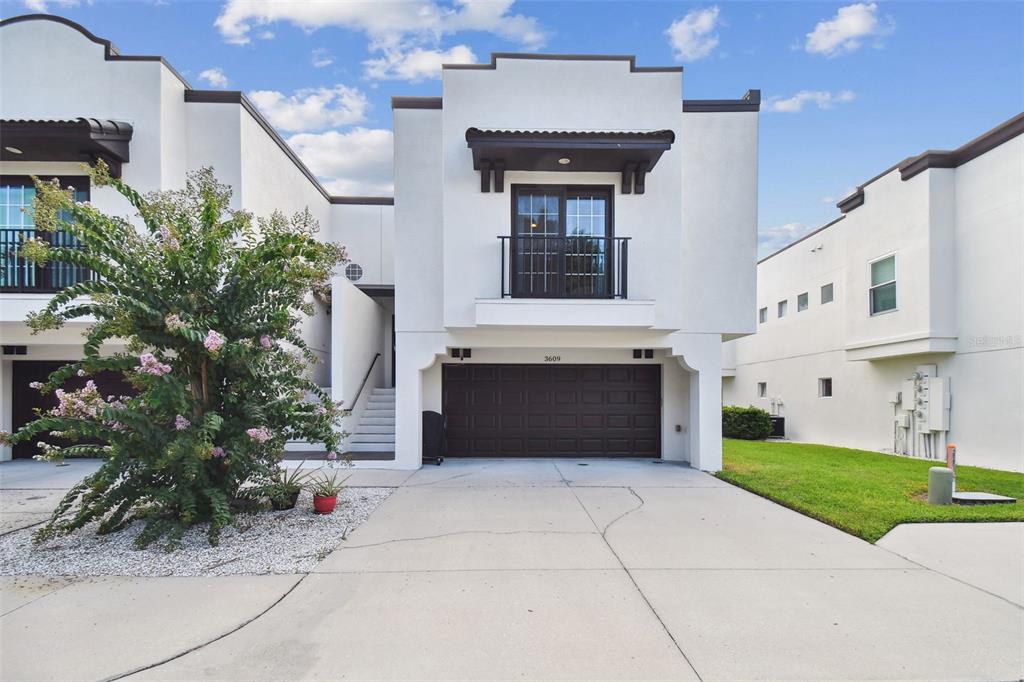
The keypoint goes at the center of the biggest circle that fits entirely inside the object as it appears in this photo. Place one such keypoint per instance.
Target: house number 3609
(552, 358)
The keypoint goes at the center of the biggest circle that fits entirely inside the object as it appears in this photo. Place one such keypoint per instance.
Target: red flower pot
(324, 505)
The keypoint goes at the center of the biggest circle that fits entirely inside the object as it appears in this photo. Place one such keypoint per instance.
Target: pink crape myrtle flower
(260, 435)
(180, 423)
(171, 242)
(332, 456)
(173, 323)
(218, 451)
(266, 342)
(148, 364)
(213, 341)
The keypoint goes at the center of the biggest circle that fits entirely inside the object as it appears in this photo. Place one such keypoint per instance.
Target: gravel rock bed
(292, 541)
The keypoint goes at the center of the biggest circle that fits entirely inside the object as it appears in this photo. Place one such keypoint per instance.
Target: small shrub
(748, 423)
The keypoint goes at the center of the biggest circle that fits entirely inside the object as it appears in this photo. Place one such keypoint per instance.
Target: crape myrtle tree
(207, 305)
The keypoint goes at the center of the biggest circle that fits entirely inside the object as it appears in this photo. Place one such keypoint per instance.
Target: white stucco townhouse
(569, 245)
(899, 326)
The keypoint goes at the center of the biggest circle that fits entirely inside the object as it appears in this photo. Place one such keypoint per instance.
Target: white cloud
(387, 24)
(355, 162)
(823, 99)
(311, 108)
(214, 77)
(771, 239)
(43, 6)
(416, 64)
(693, 37)
(846, 31)
(321, 57)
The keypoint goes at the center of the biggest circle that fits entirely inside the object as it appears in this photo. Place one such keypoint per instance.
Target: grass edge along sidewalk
(863, 493)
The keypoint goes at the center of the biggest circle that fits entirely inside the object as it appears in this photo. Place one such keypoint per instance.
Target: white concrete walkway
(533, 569)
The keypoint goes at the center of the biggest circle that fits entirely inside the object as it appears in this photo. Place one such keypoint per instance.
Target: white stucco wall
(958, 235)
(357, 323)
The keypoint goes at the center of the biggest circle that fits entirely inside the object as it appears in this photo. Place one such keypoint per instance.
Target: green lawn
(863, 493)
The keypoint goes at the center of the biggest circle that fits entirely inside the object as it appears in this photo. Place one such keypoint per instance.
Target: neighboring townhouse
(899, 326)
(67, 97)
(570, 242)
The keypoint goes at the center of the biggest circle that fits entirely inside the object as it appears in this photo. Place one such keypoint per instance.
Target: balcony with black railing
(570, 267)
(20, 275)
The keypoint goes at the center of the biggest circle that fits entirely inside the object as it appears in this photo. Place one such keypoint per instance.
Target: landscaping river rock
(279, 542)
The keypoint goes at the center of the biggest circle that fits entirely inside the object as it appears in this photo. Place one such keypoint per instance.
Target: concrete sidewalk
(535, 569)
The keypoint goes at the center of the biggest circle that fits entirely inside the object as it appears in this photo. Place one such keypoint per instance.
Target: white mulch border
(291, 541)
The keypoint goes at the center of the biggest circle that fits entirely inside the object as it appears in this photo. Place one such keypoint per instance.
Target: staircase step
(375, 428)
(377, 421)
(372, 438)
(376, 400)
(383, 391)
(371, 413)
(370, 447)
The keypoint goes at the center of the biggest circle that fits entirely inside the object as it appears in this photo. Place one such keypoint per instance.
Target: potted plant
(284, 488)
(325, 493)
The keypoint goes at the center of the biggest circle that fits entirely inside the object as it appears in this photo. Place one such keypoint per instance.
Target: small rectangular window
(882, 294)
(825, 387)
(762, 389)
(826, 293)
(801, 302)
(783, 305)
(762, 315)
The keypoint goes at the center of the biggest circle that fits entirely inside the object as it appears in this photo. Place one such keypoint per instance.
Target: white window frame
(762, 389)
(782, 308)
(821, 387)
(807, 301)
(762, 315)
(832, 292)
(895, 281)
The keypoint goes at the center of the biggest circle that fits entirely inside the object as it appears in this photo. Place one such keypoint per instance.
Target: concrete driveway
(532, 569)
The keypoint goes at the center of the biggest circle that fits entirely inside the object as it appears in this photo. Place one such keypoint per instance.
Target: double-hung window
(882, 293)
(801, 302)
(783, 306)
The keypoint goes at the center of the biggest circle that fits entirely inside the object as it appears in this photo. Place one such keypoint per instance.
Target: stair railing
(352, 405)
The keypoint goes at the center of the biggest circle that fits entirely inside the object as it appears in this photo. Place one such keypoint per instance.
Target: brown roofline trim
(911, 166)
(416, 103)
(495, 56)
(806, 236)
(364, 201)
(237, 97)
(966, 152)
(110, 52)
(751, 101)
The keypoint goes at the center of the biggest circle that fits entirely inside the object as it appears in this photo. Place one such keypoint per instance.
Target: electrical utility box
(939, 403)
(908, 395)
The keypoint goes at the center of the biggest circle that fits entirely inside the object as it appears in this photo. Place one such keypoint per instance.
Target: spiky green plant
(207, 304)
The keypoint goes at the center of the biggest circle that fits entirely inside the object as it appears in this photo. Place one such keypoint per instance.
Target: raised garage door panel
(552, 410)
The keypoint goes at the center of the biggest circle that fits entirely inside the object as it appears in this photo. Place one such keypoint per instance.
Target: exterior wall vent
(354, 272)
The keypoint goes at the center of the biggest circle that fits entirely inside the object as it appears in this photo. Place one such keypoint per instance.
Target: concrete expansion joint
(203, 645)
(629, 575)
(470, 532)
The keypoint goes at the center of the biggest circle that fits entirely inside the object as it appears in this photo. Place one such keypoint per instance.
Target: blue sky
(851, 88)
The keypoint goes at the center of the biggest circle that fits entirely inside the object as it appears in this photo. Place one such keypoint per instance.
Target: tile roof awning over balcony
(634, 154)
(80, 139)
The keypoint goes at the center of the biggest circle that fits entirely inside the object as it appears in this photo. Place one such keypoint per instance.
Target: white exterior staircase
(376, 429)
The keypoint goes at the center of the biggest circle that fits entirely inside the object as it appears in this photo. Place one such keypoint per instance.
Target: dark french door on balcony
(562, 242)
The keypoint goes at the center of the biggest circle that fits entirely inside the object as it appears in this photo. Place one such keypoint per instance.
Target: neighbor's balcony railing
(19, 275)
(564, 267)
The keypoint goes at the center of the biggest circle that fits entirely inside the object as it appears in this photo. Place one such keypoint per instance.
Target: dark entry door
(552, 410)
(561, 242)
(25, 399)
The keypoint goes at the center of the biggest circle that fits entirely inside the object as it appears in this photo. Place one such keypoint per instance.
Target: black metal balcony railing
(564, 267)
(17, 274)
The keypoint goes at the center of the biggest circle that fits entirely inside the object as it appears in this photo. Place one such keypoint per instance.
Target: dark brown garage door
(26, 400)
(552, 410)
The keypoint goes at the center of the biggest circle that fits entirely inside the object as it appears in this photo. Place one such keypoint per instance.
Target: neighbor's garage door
(552, 410)
(26, 400)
